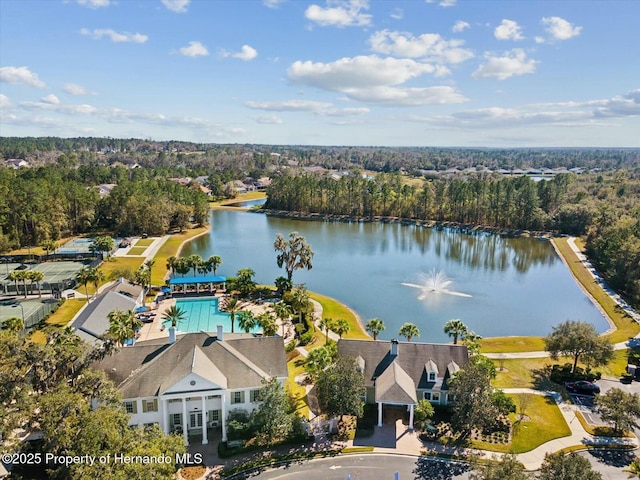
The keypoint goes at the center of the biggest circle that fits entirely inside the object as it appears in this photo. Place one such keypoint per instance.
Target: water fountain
(434, 283)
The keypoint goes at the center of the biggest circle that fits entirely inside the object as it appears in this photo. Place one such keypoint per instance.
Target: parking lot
(587, 402)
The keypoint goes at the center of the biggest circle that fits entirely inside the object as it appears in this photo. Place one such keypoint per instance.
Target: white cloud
(116, 37)
(273, 3)
(4, 101)
(357, 72)
(511, 63)
(508, 30)
(178, 6)
(75, 89)
(345, 13)
(317, 108)
(406, 97)
(195, 49)
(51, 99)
(444, 3)
(560, 29)
(460, 25)
(539, 39)
(397, 14)
(20, 75)
(428, 46)
(246, 53)
(48, 103)
(93, 3)
(268, 119)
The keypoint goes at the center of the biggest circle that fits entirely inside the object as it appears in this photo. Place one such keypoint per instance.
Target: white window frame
(131, 407)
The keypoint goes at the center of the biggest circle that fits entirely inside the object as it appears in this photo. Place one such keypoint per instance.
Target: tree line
(48, 203)
(605, 208)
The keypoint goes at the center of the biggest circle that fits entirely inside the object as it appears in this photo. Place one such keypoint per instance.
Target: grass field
(626, 327)
(511, 344)
(109, 267)
(544, 423)
(331, 308)
(144, 242)
(60, 317)
(240, 198)
(136, 251)
(171, 248)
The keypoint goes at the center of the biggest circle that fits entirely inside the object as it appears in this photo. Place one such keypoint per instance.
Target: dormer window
(431, 369)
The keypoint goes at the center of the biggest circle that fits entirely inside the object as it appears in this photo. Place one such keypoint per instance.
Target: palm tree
(341, 326)
(455, 328)
(246, 320)
(14, 276)
(36, 277)
(268, 324)
(375, 326)
(233, 306)
(283, 312)
(174, 314)
(123, 325)
(149, 264)
(194, 262)
(23, 275)
(171, 264)
(326, 324)
(83, 277)
(97, 277)
(317, 361)
(409, 330)
(300, 300)
(214, 262)
(50, 246)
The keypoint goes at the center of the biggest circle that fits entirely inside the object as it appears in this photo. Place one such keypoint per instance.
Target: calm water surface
(518, 286)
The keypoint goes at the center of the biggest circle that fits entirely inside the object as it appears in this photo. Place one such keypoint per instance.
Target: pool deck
(156, 330)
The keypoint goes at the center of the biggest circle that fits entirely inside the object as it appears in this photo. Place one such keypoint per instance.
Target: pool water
(203, 315)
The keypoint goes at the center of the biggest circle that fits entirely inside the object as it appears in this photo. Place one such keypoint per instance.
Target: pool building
(194, 283)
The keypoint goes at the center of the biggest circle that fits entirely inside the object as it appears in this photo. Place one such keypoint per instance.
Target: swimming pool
(203, 315)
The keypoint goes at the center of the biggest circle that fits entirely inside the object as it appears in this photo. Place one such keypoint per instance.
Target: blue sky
(509, 73)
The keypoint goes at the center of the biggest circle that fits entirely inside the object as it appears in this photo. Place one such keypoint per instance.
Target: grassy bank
(626, 327)
(245, 197)
(511, 344)
(331, 308)
(61, 317)
(171, 248)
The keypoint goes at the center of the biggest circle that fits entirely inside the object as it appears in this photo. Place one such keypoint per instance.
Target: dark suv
(582, 388)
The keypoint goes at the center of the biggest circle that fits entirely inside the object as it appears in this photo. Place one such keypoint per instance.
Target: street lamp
(18, 304)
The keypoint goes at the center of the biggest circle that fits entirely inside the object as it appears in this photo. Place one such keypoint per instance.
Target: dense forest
(46, 203)
(604, 208)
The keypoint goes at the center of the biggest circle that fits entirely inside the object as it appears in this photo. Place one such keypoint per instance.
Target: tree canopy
(578, 339)
(294, 253)
(620, 408)
(340, 388)
(571, 466)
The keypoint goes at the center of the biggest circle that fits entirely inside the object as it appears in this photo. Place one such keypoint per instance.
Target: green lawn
(511, 344)
(295, 367)
(171, 248)
(60, 317)
(137, 251)
(626, 327)
(544, 423)
(144, 242)
(522, 373)
(108, 267)
(331, 308)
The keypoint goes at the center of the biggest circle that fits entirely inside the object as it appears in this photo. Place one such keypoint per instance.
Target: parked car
(126, 242)
(582, 388)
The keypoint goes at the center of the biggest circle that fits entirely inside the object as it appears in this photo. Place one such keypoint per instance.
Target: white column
(164, 416)
(223, 415)
(205, 440)
(379, 414)
(184, 422)
(411, 417)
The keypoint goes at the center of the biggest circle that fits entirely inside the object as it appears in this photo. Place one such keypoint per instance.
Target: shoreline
(468, 228)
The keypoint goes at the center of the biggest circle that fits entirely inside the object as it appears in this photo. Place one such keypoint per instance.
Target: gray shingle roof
(148, 369)
(395, 386)
(94, 319)
(412, 357)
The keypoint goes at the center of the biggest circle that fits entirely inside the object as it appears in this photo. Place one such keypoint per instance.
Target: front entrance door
(195, 420)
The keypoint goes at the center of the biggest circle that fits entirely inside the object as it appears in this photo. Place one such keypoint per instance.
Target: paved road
(369, 466)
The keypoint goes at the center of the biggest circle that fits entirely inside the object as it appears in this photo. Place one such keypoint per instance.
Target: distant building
(16, 163)
(104, 190)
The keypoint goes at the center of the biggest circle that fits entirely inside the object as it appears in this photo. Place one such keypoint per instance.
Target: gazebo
(214, 282)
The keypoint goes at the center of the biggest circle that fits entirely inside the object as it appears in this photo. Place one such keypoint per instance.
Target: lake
(512, 286)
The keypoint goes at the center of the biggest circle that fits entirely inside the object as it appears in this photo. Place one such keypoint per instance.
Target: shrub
(562, 374)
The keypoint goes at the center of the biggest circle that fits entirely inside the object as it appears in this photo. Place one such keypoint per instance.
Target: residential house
(16, 163)
(190, 386)
(105, 189)
(401, 373)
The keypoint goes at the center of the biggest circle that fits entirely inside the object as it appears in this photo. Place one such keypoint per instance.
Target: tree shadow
(428, 468)
(542, 380)
(615, 458)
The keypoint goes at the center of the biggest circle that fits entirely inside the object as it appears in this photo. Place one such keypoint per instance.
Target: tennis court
(77, 245)
(33, 311)
(57, 275)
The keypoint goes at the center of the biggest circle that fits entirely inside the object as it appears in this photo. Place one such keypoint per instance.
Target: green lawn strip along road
(136, 251)
(144, 242)
(543, 422)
